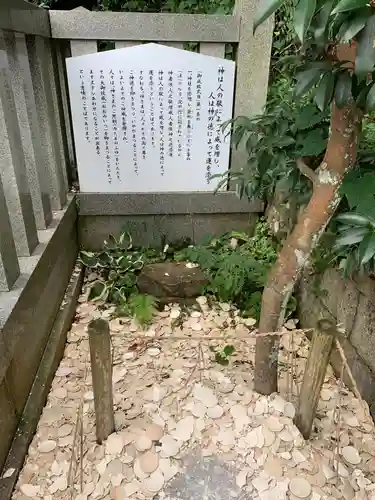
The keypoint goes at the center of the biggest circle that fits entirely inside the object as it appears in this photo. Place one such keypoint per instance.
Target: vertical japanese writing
(142, 113)
(94, 112)
(115, 136)
(218, 114)
(180, 103)
(214, 135)
(85, 114)
(124, 116)
(170, 113)
(198, 104)
(133, 120)
(161, 120)
(103, 101)
(151, 86)
(189, 115)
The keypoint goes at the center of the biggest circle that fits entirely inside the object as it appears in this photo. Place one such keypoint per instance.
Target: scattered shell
(184, 429)
(143, 443)
(170, 446)
(215, 412)
(47, 446)
(154, 482)
(29, 490)
(300, 487)
(241, 478)
(351, 455)
(149, 462)
(154, 432)
(175, 313)
(205, 395)
(153, 351)
(114, 444)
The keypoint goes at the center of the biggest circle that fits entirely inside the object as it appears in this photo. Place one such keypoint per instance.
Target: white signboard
(148, 119)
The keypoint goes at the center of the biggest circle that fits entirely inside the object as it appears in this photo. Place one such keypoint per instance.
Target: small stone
(249, 321)
(215, 412)
(128, 355)
(290, 324)
(300, 487)
(9, 473)
(29, 490)
(154, 432)
(184, 429)
(64, 430)
(241, 478)
(154, 482)
(269, 436)
(88, 396)
(167, 469)
(47, 446)
(114, 444)
(196, 327)
(224, 306)
(143, 443)
(60, 484)
(285, 436)
(153, 352)
(351, 455)
(149, 462)
(261, 483)
(274, 424)
(196, 314)
(60, 393)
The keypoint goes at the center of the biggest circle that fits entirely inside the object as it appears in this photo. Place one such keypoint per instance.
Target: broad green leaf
(308, 117)
(367, 248)
(370, 100)
(365, 58)
(346, 5)
(306, 80)
(343, 90)
(351, 237)
(324, 91)
(228, 350)
(353, 219)
(312, 144)
(320, 22)
(350, 28)
(265, 10)
(88, 259)
(98, 291)
(303, 14)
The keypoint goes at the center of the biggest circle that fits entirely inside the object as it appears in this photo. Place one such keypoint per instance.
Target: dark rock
(171, 280)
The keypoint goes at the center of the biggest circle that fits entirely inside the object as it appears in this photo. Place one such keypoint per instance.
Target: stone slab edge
(51, 358)
(164, 204)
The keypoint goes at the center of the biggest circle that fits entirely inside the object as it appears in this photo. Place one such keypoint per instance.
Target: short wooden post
(101, 368)
(313, 378)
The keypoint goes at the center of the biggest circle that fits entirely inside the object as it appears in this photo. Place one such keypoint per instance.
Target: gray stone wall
(351, 303)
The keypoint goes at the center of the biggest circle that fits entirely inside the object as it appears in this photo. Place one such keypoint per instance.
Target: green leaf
(303, 14)
(367, 249)
(324, 92)
(308, 117)
(320, 22)
(98, 291)
(88, 259)
(346, 5)
(343, 90)
(350, 237)
(306, 80)
(353, 219)
(228, 350)
(221, 360)
(265, 10)
(350, 28)
(370, 99)
(365, 58)
(312, 144)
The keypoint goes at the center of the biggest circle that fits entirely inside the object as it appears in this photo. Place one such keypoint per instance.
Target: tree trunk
(340, 157)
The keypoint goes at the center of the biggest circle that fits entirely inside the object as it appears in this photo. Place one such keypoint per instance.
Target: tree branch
(306, 170)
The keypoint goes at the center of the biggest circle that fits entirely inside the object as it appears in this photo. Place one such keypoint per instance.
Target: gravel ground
(189, 428)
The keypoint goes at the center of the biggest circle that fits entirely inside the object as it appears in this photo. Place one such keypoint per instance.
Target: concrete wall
(351, 303)
(27, 314)
(151, 217)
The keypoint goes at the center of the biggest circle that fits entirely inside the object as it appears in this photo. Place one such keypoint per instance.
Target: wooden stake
(313, 378)
(101, 368)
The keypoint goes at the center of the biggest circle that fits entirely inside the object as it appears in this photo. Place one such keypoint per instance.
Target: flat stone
(300, 487)
(241, 478)
(171, 279)
(170, 447)
(149, 462)
(175, 313)
(198, 409)
(274, 424)
(64, 430)
(153, 352)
